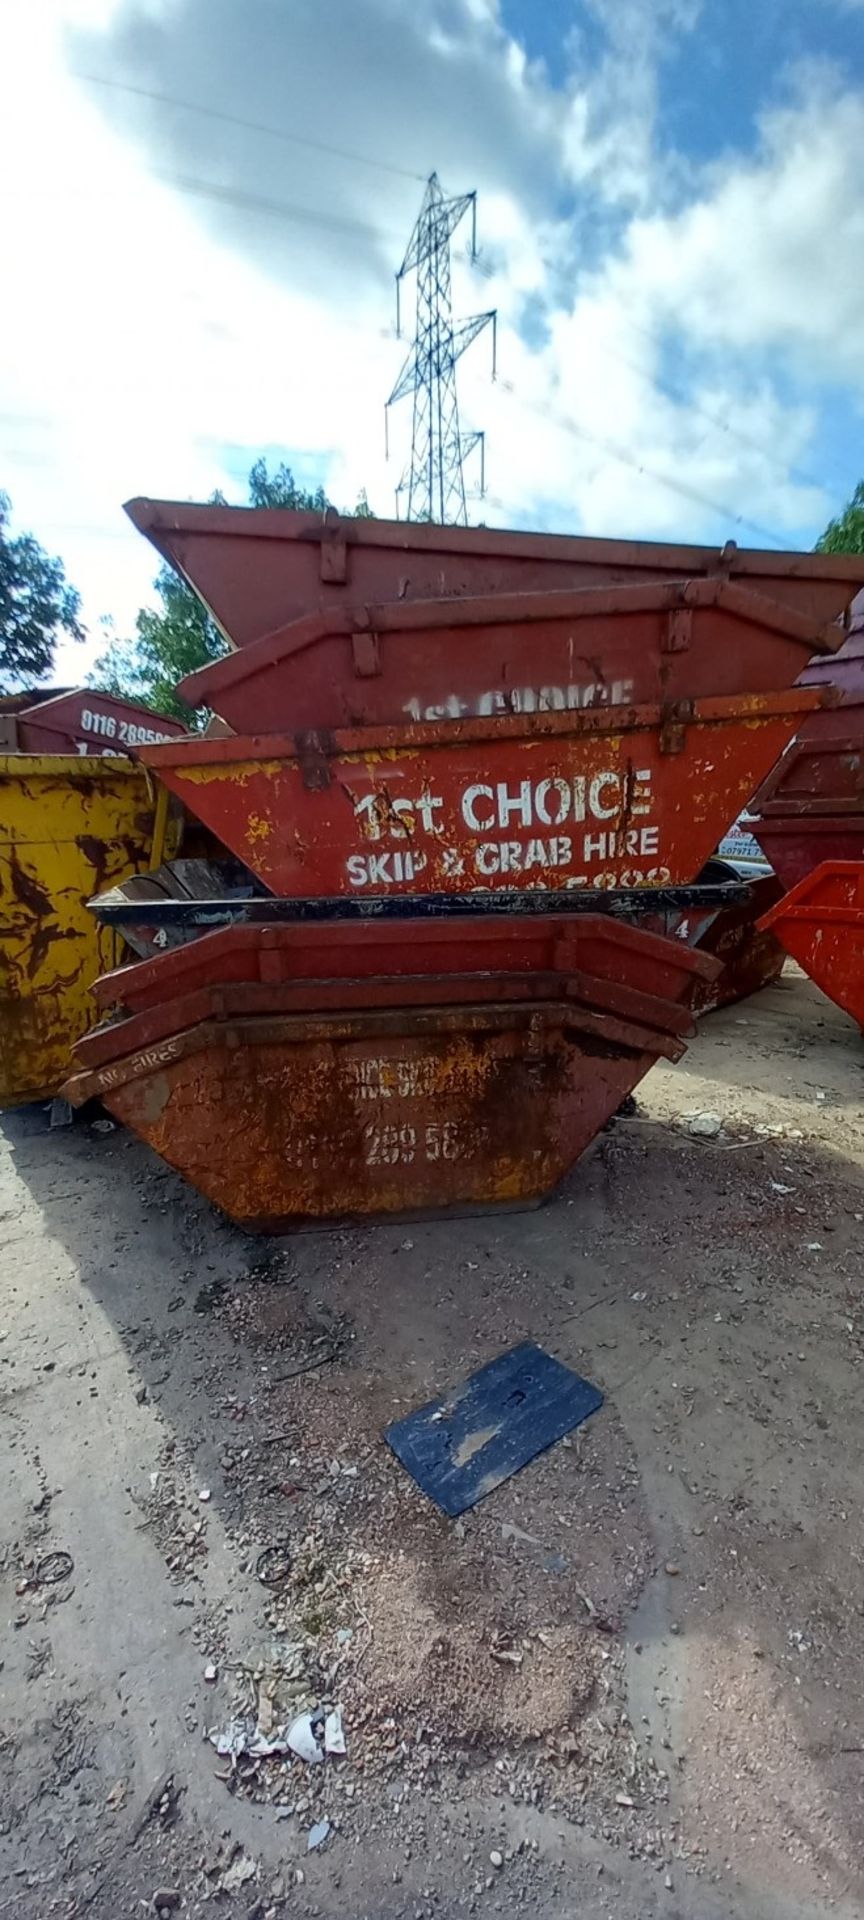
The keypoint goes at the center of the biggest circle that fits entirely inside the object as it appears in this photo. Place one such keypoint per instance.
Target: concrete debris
(509, 1531)
(334, 1734)
(304, 1738)
(238, 1873)
(242, 1736)
(704, 1125)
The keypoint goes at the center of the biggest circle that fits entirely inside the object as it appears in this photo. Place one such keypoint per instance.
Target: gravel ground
(629, 1683)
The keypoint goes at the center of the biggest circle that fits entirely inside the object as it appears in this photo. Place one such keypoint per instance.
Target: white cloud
(768, 252)
(159, 338)
(609, 141)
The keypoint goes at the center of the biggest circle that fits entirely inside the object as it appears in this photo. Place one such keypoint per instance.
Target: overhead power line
(678, 394)
(259, 203)
(285, 210)
(629, 458)
(248, 126)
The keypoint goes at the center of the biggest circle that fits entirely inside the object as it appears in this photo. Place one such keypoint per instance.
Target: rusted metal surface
(511, 654)
(795, 846)
(619, 798)
(811, 806)
(67, 827)
(843, 670)
(257, 569)
(221, 882)
(178, 920)
(821, 924)
(416, 950)
(408, 949)
(822, 772)
(751, 957)
(86, 722)
(242, 1000)
(288, 1118)
(747, 958)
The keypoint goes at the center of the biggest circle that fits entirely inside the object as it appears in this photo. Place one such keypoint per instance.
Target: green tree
(280, 489)
(37, 606)
(174, 638)
(170, 641)
(846, 533)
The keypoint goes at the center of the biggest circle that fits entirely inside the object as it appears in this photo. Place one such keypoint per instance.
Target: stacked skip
(810, 824)
(75, 814)
(455, 759)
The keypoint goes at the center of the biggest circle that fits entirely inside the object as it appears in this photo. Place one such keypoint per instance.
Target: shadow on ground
(645, 1653)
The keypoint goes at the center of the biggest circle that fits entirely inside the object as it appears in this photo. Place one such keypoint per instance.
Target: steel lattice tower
(434, 481)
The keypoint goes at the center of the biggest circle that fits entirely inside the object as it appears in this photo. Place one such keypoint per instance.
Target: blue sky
(671, 216)
(715, 74)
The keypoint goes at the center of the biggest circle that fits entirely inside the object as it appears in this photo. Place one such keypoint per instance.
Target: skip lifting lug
(678, 630)
(673, 728)
(313, 749)
(334, 552)
(366, 653)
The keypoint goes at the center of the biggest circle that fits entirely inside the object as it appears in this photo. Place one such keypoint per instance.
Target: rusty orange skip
(821, 924)
(258, 568)
(626, 797)
(439, 1093)
(525, 653)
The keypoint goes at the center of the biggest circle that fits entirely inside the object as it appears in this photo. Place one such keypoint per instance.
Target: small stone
(496, 1859)
(211, 1673)
(671, 1568)
(166, 1899)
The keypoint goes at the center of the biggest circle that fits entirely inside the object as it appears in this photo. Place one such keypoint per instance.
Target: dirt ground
(630, 1682)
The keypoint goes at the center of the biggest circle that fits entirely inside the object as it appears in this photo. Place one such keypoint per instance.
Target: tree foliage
(846, 533)
(178, 636)
(280, 489)
(37, 606)
(170, 641)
